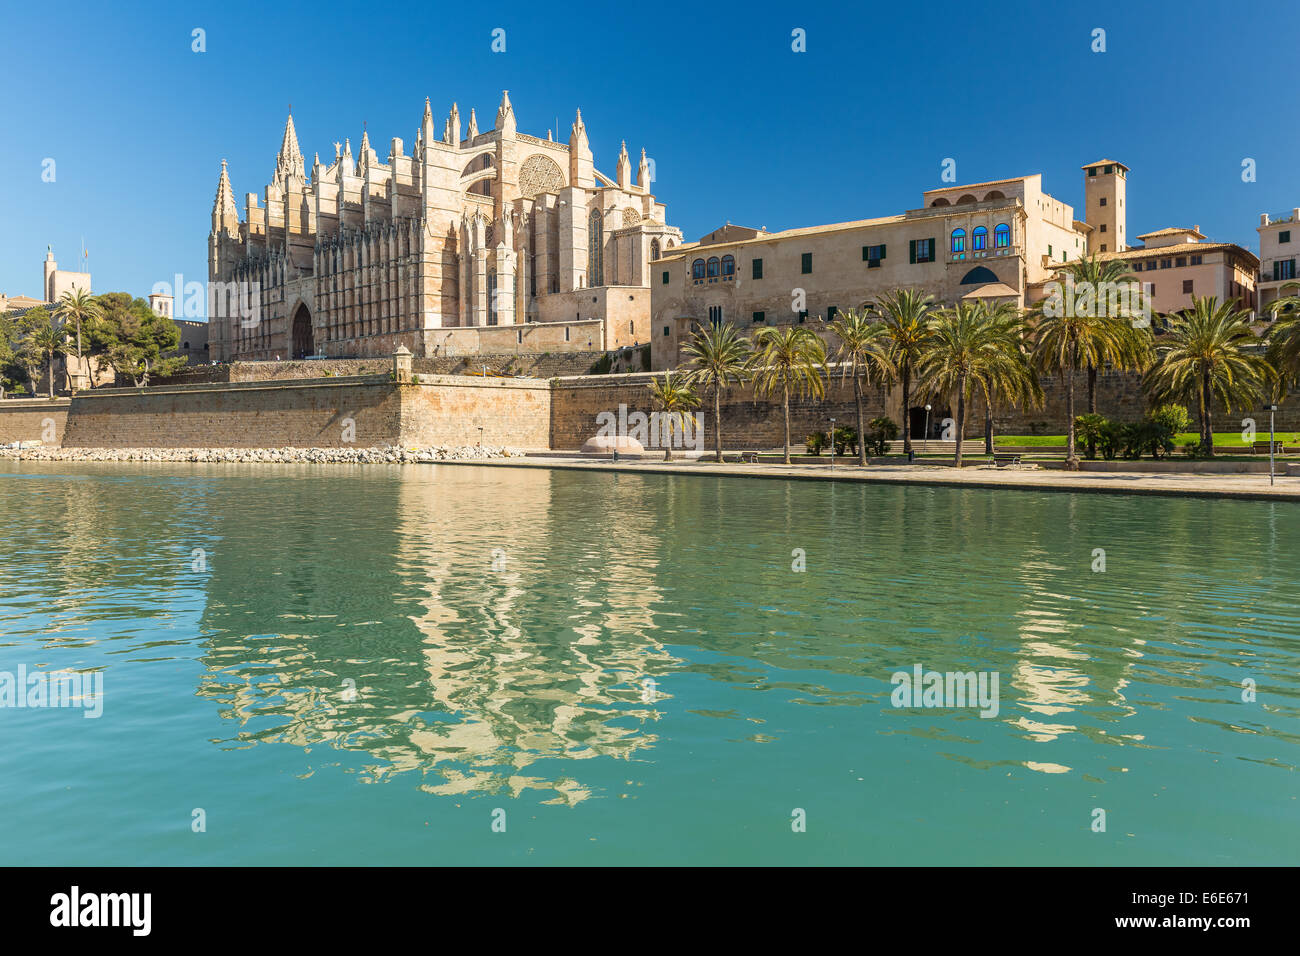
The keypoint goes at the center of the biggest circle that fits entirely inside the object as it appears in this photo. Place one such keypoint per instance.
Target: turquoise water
(499, 627)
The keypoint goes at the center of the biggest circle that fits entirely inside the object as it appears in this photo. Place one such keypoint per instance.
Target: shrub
(883, 431)
(815, 442)
(601, 366)
(1089, 430)
(846, 440)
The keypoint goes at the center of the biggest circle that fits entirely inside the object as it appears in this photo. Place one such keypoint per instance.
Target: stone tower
(1104, 186)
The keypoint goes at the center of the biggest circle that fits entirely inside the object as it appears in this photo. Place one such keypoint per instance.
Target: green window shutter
(911, 251)
(865, 257)
(882, 250)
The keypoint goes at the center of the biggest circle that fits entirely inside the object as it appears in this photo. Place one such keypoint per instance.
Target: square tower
(1104, 186)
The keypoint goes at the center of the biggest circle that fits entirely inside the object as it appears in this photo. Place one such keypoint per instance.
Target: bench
(1262, 447)
(1004, 459)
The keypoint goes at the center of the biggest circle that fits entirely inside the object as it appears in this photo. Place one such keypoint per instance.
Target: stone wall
(450, 409)
(301, 414)
(31, 419)
(746, 422)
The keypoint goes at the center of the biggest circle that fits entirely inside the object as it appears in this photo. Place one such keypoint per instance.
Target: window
(758, 268)
(958, 244)
(1049, 251)
(1284, 269)
(1103, 201)
(1103, 227)
(872, 255)
(1103, 247)
(697, 269)
(715, 315)
(728, 266)
(1001, 236)
(1166, 263)
(1137, 267)
(1093, 171)
(566, 333)
(921, 250)
(595, 250)
(1284, 236)
(714, 267)
(760, 317)
(1110, 169)
(665, 278)
(492, 297)
(654, 249)
(805, 263)
(979, 239)
(666, 332)
(1180, 261)
(1187, 285)
(803, 316)
(831, 310)
(1196, 260)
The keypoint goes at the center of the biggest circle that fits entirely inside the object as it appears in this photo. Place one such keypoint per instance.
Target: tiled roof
(1171, 231)
(992, 182)
(1105, 162)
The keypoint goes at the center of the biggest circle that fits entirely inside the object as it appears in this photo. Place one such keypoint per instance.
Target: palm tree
(673, 397)
(1070, 334)
(863, 353)
(719, 358)
(786, 360)
(1203, 356)
(1284, 340)
(906, 314)
(963, 346)
(77, 307)
(49, 341)
(1008, 376)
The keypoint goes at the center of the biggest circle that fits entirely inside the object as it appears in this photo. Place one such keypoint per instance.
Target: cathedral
(489, 241)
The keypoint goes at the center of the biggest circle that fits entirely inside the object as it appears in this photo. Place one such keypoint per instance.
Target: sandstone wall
(296, 414)
(450, 409)
(31, 420)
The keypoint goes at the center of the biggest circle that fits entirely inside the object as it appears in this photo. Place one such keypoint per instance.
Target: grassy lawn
(1221, 439)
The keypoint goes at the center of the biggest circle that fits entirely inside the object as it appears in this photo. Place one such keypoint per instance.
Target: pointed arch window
(1001, 236)
(979, 239)
(958, 244)
(728, 266)
(492, 297)
(654, 249)
(595, 250)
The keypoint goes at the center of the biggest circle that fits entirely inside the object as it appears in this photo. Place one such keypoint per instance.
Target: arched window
(654, 249)
(958, 245)
(1001, 236)
(940, 202)
(697, 269)
(979, 239)
(728, 265)
(595, 249)
(492, 297)
(713, 267)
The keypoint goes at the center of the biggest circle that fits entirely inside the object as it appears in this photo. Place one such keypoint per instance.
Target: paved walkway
(979, 476)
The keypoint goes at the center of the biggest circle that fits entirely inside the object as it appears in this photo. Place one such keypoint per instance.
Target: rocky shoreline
(384, 455)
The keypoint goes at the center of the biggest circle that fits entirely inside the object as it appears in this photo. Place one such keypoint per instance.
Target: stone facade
(470, 231)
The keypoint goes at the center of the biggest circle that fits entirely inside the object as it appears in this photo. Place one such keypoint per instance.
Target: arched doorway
(302, 338)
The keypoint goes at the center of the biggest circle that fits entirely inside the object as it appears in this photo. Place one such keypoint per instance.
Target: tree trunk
(961, 416)
(785, 403)
(862, 434)
(907, 402)
(1092, 407)
(988, 427)
(1207, 426)
(717, 418)
(1071, 455)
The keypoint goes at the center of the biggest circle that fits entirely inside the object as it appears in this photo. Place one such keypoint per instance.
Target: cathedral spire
(347, 164)
(643, 173)
(623, 173)
(506, 114)
(224, 212)
(473, 124)
(426, 124)
(451, 134)
(289, 162)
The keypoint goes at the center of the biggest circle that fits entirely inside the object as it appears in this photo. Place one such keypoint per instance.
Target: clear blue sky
(740, 127)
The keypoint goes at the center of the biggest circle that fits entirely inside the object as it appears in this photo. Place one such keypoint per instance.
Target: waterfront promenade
(1247, 487)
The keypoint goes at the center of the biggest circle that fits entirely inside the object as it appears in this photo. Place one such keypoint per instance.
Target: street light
(832, 444)
(1270, 409)
(925, 438)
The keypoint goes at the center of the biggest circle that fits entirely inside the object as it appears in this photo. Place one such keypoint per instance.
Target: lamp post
(1270, 409)
(925, 439)
(832, 444)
